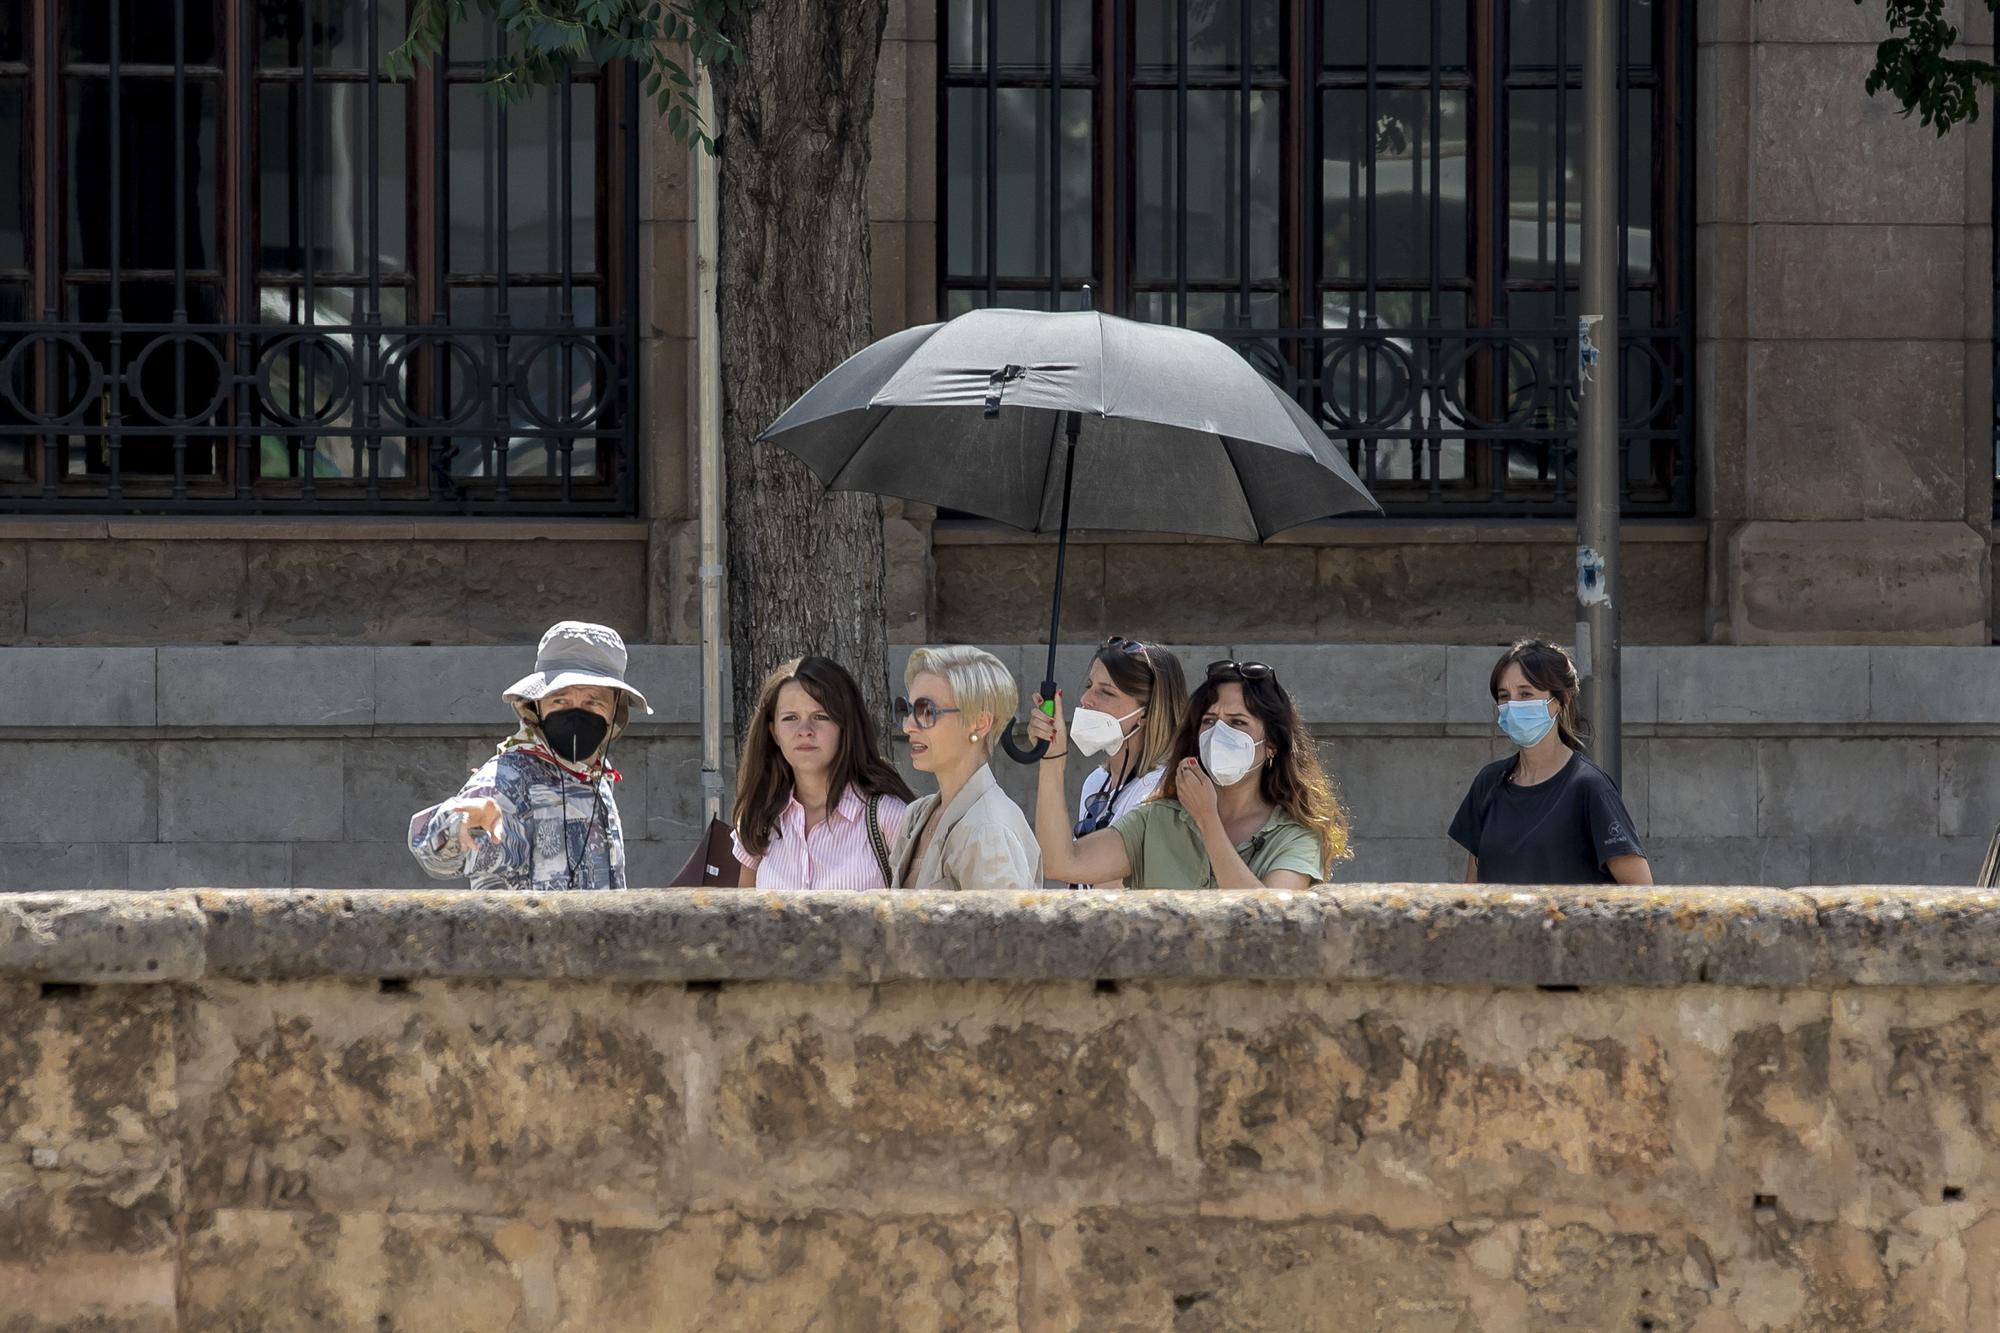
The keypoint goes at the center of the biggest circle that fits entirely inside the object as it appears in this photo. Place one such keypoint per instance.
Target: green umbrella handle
(1028, 754)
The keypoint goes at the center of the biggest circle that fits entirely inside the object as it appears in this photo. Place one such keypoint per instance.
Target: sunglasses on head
(1130, 646)
(925, 712)
(1232, 670)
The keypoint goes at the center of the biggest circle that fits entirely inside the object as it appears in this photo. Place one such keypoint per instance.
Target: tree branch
(1915, 65)
(666, 39)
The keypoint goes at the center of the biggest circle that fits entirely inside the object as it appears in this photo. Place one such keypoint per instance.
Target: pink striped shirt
(836, 854)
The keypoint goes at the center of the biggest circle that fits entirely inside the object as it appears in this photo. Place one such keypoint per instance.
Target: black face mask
(575, 733)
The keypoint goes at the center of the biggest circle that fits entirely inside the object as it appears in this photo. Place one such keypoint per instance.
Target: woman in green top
(1244, 803)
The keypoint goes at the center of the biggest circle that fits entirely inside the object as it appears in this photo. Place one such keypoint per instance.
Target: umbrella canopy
(1173, 431)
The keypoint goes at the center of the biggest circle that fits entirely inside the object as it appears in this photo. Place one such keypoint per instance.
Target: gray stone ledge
(351, 689)
(99, 936)
(1398, 933)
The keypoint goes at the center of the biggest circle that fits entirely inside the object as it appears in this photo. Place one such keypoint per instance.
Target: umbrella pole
(1030, 753)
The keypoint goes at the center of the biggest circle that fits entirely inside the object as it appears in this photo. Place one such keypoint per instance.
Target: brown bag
(713, 864)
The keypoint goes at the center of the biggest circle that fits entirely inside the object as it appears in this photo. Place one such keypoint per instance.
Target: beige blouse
(983, 841)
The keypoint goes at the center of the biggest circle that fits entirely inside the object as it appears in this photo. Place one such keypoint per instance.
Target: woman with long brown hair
(1545, 814)
(1244, 803)
(817, 806)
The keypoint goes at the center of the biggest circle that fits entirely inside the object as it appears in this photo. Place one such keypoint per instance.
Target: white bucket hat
(575, 652)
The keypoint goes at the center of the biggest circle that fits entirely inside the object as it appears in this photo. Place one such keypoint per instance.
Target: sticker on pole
(1586, 348)
(1591, 589)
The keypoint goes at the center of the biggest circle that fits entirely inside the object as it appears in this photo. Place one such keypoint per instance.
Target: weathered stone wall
(1391, 1108)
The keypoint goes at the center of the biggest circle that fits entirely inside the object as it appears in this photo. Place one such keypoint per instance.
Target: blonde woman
(968, 834)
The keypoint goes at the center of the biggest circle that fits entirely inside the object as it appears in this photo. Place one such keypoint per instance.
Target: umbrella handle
(1028, 754)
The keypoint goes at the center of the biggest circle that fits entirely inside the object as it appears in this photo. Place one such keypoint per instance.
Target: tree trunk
(805, 570)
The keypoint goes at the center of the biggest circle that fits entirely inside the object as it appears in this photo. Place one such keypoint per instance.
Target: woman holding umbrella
(968, 835)
(1131, 709)
(1049, 421)
(1244, 803)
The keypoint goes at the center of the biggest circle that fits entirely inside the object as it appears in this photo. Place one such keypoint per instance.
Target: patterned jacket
(558, 830)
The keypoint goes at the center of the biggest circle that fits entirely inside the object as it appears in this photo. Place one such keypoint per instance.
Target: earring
(975, 738)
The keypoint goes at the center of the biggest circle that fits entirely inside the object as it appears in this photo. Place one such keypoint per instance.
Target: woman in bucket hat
(540, 814)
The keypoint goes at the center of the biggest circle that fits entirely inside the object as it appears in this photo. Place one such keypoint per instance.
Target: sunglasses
(925, 712)
(1096, 815)
(1230, 670)
(1132, 647)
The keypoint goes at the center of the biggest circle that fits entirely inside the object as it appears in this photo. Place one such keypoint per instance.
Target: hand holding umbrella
(1048, 732)
(1147, 428)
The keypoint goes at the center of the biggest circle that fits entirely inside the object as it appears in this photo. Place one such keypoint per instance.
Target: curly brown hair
(1291, 778)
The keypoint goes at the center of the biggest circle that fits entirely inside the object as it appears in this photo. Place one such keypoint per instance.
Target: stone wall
(267, 766)
(75, 582)
(1845, 296)
(292, 766)
(1396, 1108)
(1375, 582)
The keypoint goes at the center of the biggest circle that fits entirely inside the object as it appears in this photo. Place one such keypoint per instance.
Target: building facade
(323, 391)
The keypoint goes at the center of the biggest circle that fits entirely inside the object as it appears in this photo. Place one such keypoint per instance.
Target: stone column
(666, 394)
(902, 215)
(1844, 297)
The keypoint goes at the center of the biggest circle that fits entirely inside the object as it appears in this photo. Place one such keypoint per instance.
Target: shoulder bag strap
(876, 840)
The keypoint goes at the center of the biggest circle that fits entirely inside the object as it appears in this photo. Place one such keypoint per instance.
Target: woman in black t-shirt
(1545, 815)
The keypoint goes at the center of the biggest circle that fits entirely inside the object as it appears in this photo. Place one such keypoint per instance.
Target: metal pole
(708, 445)
(1072, 425)
(1597, 643)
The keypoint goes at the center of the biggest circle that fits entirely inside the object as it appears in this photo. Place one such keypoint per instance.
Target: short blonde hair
(980, 682)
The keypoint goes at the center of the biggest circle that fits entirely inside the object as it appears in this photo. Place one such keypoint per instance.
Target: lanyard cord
(591, 821)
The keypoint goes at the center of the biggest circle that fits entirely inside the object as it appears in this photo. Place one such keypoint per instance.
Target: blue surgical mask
(1526, 721)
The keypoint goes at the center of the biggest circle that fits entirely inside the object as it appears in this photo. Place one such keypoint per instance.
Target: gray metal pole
(708, 442)
(1597, 642)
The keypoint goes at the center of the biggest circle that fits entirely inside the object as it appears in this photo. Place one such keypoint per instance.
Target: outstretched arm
(1096, 858)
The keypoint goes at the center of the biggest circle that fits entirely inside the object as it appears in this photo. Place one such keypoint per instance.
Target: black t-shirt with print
(1561, 831)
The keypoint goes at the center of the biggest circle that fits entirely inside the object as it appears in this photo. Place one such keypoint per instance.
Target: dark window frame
(1499, 396)
(422, 409)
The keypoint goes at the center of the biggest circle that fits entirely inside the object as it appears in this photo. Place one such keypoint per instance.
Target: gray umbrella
(1083, 419)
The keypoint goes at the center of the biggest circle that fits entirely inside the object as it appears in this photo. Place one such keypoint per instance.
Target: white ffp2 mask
(1092, 731)
(1227, 754)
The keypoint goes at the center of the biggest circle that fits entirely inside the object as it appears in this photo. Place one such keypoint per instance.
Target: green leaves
(1915, 65)
(666, 39)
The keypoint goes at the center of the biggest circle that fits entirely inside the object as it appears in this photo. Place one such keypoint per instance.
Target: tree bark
(793, 284)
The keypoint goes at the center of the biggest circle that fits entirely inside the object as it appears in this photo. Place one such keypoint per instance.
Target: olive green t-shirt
(1165, 849)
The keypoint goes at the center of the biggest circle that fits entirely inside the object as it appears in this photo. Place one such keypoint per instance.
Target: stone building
(293, 473)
